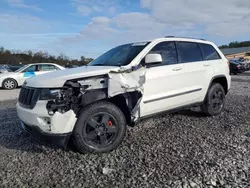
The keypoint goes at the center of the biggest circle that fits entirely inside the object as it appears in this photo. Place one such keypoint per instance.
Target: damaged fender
(128, 80)
(79, 93)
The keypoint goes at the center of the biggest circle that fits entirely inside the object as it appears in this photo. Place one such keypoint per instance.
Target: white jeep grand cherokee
(94, 104)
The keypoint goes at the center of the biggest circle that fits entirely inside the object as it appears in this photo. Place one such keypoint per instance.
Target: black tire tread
(9, 79)
(205, 107)
(81, 147)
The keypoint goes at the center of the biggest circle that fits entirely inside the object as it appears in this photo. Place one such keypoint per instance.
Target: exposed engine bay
(123, 86)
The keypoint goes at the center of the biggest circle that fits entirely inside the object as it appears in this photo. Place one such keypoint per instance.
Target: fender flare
(212, 80)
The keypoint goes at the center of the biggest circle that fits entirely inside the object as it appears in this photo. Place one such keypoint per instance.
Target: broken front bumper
(39, 121)
(57, 139)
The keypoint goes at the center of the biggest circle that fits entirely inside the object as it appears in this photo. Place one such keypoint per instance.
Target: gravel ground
(184, 149)
(9, 94)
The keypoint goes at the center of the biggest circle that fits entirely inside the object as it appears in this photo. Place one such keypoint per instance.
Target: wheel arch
(126, 102)
(11, 79)
(221, 79)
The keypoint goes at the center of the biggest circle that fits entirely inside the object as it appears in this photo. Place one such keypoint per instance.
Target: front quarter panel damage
(76, 94)
(126, 81)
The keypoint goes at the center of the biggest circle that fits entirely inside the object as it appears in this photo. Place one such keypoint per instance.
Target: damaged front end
(78, 93)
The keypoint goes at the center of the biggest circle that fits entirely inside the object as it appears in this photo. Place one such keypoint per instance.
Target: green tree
(16, 56)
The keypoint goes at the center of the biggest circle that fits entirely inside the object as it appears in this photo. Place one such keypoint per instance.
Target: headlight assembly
(48, 94)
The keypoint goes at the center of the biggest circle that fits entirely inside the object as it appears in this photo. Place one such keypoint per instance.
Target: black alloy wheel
(100, 128)
(215, 100)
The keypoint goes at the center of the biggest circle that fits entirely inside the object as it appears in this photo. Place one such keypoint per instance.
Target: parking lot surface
(9, 94)
(184, 149)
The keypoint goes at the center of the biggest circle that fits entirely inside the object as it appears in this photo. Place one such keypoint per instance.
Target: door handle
(177, 69)
(206, 65)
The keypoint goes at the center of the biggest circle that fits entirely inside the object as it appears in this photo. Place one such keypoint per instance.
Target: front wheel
(100, 128)
(214, 101)
(9, 84)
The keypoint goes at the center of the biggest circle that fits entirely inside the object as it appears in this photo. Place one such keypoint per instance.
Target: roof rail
(183, 37)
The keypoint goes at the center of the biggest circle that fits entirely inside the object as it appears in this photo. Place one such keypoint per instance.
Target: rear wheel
(100, 128)
(9, 84)
(215, 100)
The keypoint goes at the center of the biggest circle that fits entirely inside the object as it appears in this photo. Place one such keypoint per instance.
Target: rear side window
(188, 52)
(209, 53)
(47, 67)
(167, 51)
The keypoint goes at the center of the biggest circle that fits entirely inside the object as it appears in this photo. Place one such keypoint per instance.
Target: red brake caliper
(110, 123)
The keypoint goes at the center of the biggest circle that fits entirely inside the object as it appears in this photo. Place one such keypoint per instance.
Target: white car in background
(11, 80)
(4, 68)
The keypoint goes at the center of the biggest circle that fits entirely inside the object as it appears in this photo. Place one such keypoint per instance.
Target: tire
(97, 122)
(215, 100)
(9, 84)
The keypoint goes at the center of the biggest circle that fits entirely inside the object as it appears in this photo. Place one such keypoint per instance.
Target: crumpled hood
(58, 78)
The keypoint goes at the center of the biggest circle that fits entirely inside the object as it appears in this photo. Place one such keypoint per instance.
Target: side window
(188, 52)
(47, 67)
(209, 53)
(167, 51)
(31, 68)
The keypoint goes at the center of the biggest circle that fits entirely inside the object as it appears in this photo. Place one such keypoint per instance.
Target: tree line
(26, 57)
(236, 44)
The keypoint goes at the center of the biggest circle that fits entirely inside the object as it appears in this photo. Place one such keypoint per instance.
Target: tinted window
(209, 53)
(31, 68)
(47, 67)
(188, 52)
(167, 51)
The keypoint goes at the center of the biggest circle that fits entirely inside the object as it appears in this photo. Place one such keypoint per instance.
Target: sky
(91, 27)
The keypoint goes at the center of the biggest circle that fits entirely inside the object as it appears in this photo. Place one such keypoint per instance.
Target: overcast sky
(91, 27)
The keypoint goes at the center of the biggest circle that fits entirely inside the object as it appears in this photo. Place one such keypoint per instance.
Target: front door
(28, 73)
(165, 83)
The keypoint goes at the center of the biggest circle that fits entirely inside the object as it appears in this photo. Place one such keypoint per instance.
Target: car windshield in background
(21, 68)
(120, 55)
(247, 54)
(235, 62)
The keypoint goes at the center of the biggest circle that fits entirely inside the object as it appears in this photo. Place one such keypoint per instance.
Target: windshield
(234, 62)
(120, 55)
(21, 68)
(247, 54)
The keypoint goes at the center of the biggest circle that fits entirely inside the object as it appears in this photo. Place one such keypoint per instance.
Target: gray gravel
(9, 94)
(184, 149)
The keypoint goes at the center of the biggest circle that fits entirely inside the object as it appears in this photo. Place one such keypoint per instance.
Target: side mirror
(153, 59)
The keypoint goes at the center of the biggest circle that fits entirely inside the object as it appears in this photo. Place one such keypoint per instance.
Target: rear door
(164, 82)
(198, 72)
(45, 68)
